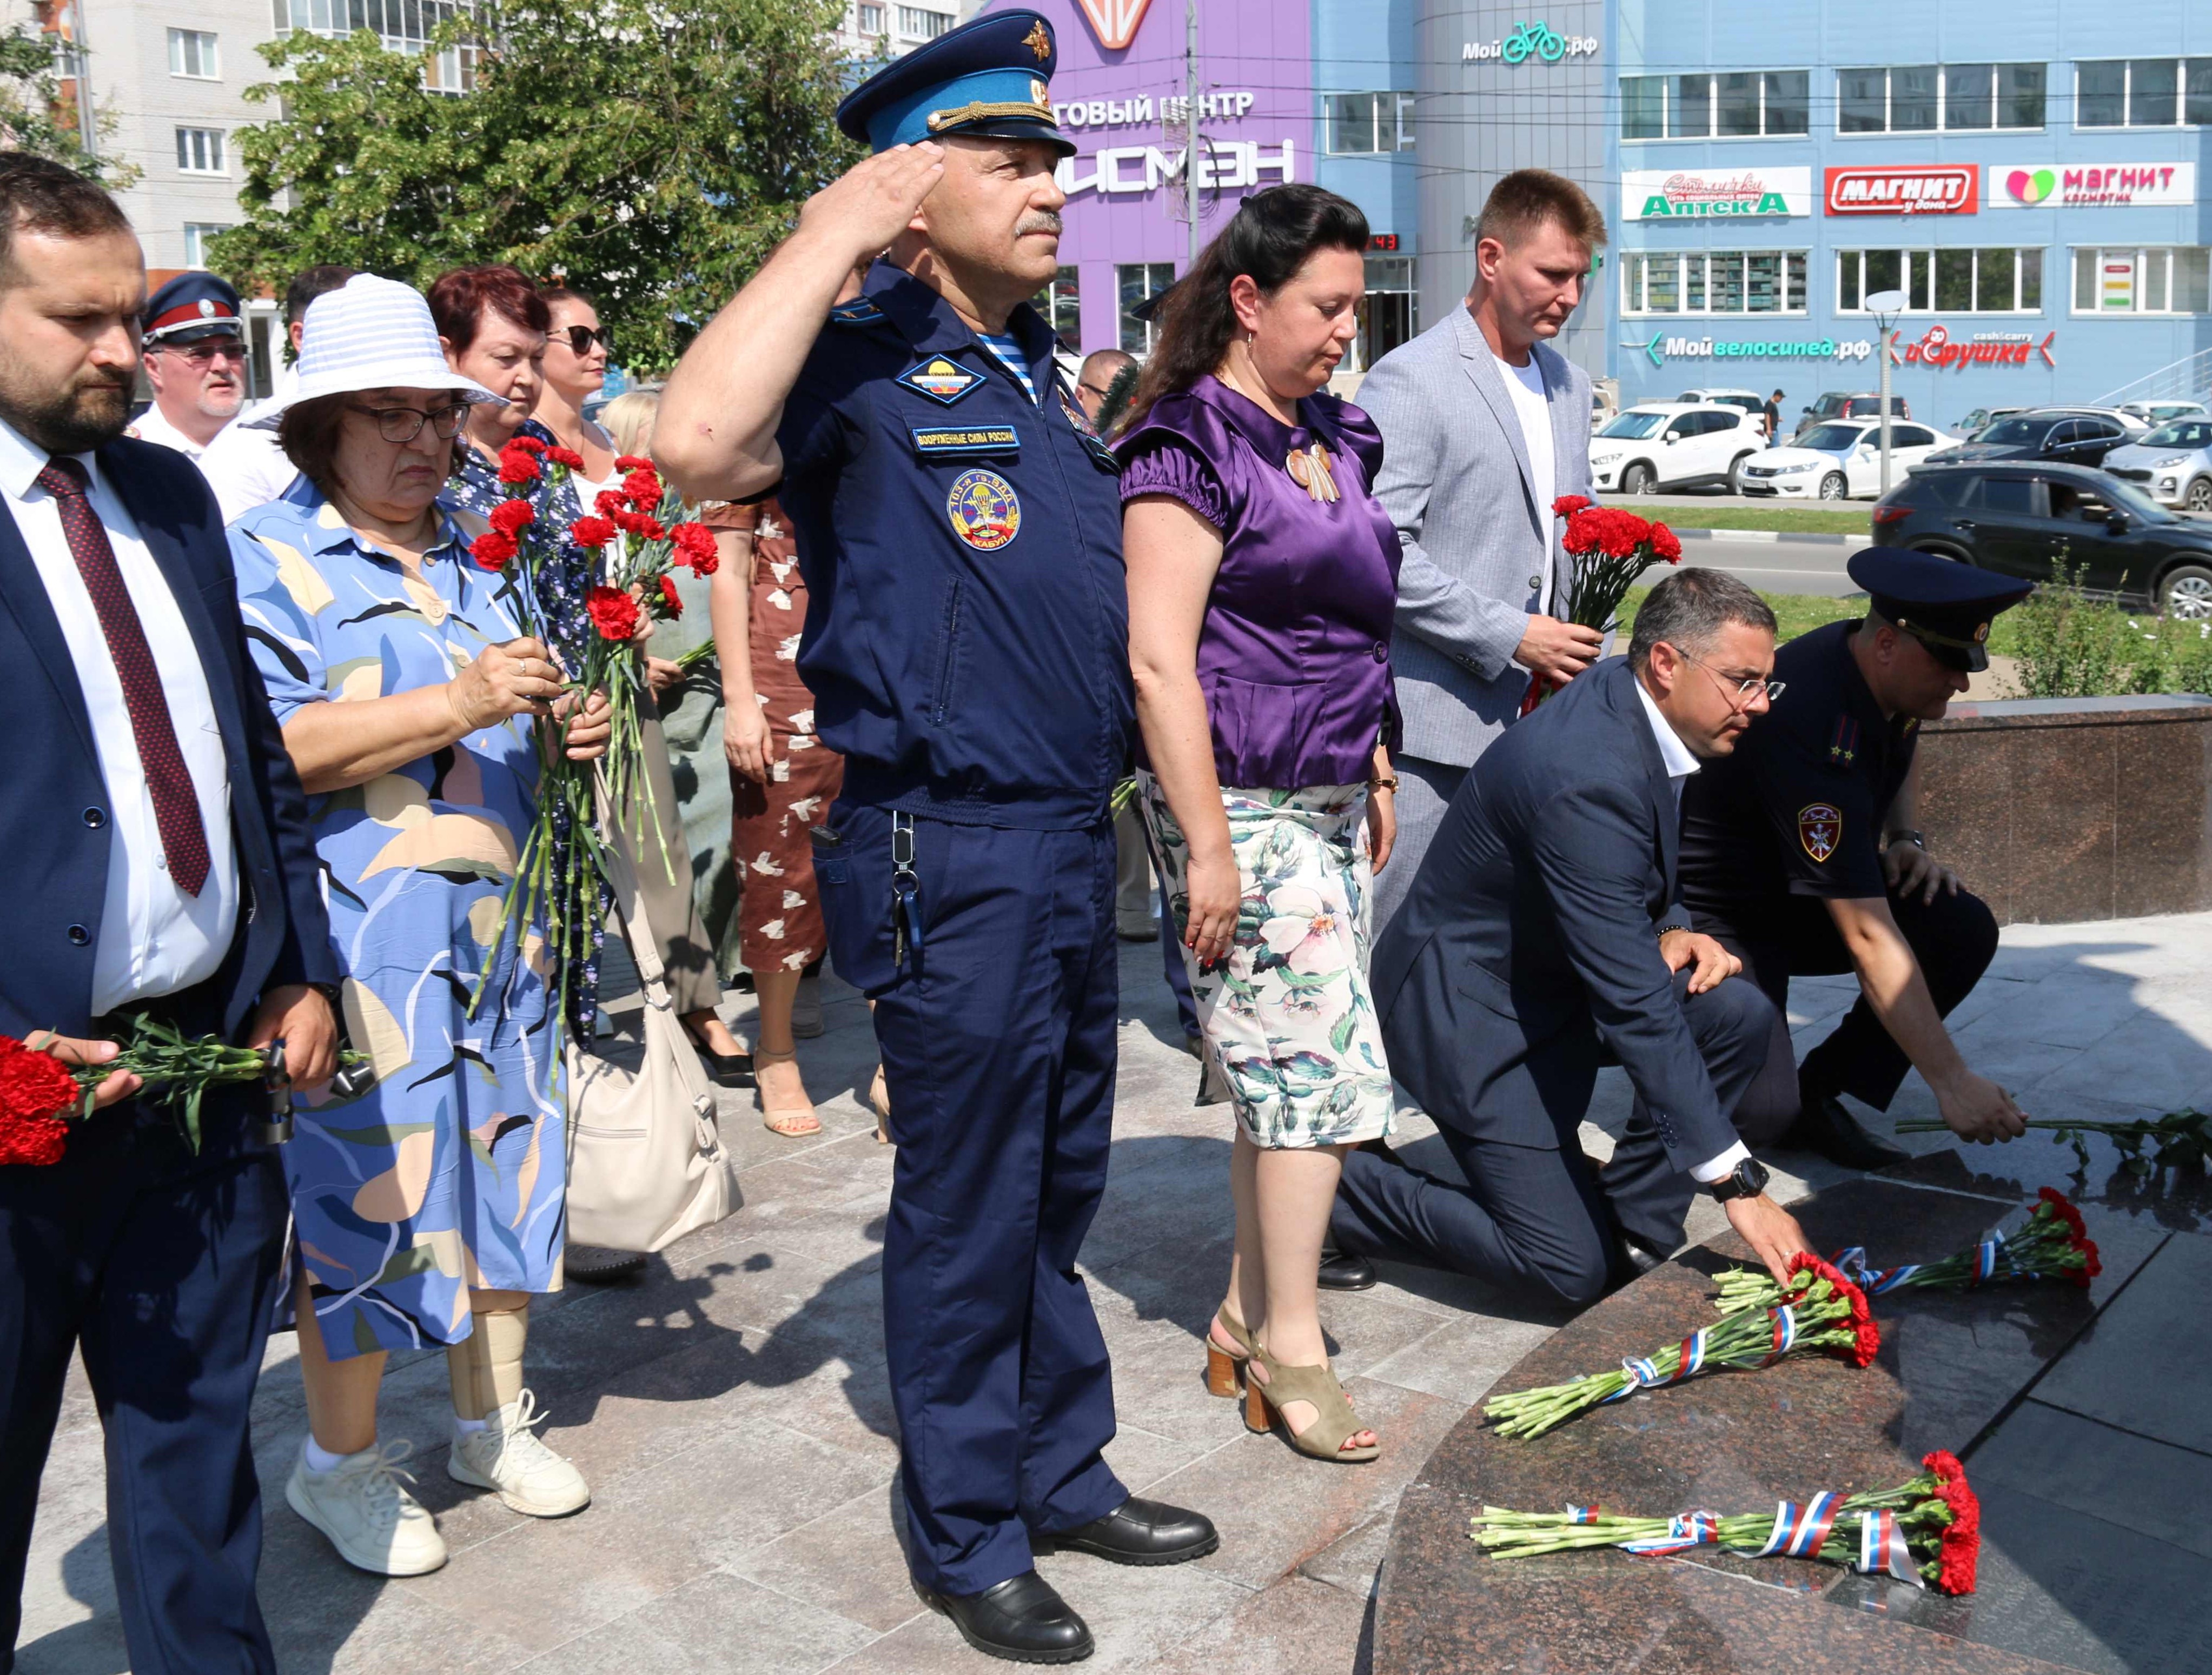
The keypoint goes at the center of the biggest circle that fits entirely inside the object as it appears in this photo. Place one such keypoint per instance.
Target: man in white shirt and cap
(196, 359)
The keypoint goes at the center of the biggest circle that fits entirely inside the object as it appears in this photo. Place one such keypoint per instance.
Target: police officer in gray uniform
(967, 642)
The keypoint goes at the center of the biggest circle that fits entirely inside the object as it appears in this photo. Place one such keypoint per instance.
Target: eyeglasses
(1747, 687)
(205, 353)
(581, 337)
(1094, 389)
(405, 424)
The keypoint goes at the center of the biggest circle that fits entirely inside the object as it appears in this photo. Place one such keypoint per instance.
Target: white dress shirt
(1680, 762)
(154, 938)
(153, 426)
(247, 468)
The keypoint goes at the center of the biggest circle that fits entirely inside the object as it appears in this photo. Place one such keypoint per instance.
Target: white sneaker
(373, 1521)
(507, 1456)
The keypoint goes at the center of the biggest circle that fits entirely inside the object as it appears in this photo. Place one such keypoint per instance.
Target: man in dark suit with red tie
(158, 860)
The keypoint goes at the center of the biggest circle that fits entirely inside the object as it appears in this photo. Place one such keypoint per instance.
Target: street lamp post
(1884, 306)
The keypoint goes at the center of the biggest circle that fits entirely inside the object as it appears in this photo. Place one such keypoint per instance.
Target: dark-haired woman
(1262, 576)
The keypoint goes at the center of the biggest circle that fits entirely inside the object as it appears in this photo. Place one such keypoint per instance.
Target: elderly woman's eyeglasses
(405, 424)
(581, 337)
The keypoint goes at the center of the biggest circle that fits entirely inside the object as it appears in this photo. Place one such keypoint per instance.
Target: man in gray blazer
(1484, 426)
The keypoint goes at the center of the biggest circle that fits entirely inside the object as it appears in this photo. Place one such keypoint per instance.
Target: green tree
(650, 151)
(31, 117)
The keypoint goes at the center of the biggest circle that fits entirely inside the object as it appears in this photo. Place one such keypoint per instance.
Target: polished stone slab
(1950, 1368)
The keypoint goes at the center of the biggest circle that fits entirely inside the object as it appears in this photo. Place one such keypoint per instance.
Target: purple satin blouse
(1294, 654)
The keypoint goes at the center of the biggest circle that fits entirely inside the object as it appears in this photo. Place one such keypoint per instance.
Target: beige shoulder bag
(645, 1162)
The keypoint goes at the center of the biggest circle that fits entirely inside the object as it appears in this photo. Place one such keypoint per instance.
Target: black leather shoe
(1021, 1619)
(1823, 1126)
(1342, 1271)
(1631, 1262)
(1143, 1532)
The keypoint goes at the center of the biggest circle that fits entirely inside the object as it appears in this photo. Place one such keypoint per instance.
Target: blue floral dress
(452, 1172)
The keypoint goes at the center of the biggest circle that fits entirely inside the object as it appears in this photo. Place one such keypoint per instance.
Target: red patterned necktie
(176, 805)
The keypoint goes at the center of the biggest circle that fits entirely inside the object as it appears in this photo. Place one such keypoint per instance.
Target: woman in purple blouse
(1262, 577)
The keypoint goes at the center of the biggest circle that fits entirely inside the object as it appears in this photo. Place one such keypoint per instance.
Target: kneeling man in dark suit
(1544, 919)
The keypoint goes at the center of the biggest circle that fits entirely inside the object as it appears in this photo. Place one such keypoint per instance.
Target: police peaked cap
(190, 306)
(992, 77)
(1944, 604)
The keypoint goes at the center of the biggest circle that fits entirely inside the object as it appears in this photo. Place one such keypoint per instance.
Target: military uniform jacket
(1798, 808)
(967, 630)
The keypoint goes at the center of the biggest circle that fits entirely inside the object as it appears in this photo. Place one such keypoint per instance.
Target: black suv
(2020, 519)
(2077, 439)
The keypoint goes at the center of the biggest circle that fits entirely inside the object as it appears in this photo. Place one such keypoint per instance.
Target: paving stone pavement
(731, 1412)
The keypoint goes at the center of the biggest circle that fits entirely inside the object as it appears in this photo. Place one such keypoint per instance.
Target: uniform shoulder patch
(942, 380)
(1820, 829)
(859, 311)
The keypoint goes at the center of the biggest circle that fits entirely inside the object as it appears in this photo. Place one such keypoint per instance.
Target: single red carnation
(1665, 543)
(35, 1089)
(592, 532)
(518, 465)
(527, 444)
(669, 597)
(1867, 1342)
(1567, 505)
(695, 545)
(643, 487)
(1961, 1548)
(568, 457)
(608, 501)
(630, 462)
(613, 612)
(1624, 532)
(642, 524)
(494, 550)
(1943, 1465)
(2090, 1266)
(2062, 1207)
(512, 517)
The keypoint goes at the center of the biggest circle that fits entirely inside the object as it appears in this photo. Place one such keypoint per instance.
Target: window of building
(191, 52)
(199, 150)
(1356, 123)
(1951, 282)
(1920, 98)
(1739, 105)
(870, 17)
(1061, 305)
(2142, 93)
(197, 234)
(917, 23)
(2157, 281)
(1133, 282)
(404, 26)
(1712, 282)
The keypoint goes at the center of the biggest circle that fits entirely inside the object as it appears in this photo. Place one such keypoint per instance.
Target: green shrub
(2071, 645)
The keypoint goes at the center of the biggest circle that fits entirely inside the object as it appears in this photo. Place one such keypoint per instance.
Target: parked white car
(2172, 464)
(1670, 445)
(1841, 461)
(2156, 413)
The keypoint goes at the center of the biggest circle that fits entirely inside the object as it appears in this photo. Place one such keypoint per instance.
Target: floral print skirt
(1291, 1033)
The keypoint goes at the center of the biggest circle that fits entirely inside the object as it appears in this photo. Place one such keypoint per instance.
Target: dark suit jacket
(1528, 934)
(55, 832)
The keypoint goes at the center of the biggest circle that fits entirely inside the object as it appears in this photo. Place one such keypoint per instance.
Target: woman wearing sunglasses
(575, 370)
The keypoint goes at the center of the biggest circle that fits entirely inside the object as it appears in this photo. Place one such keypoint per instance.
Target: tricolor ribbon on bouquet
(1685, 1530)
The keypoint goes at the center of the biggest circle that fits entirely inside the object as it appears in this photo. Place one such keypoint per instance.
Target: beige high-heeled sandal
(1224, 1368)
(793, 1122)
(1334, 1423)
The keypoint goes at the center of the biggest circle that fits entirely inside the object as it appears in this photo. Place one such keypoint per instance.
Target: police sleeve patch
(941, 379)
(1820, 829)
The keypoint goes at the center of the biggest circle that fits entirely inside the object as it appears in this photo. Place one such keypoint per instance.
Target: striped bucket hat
(369, 334)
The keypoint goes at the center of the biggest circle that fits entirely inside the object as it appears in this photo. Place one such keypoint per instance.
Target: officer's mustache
(1044, 220)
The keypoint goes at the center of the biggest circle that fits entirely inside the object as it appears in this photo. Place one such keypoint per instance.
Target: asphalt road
(1770, 563)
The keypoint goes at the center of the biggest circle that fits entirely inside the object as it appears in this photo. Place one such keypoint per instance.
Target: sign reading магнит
(2110, 185)
(1902, 188)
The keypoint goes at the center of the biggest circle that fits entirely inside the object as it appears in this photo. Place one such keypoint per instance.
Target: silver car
(2172, 464)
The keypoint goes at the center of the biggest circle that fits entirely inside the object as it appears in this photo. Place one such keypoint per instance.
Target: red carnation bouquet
(1611, 548)
(2053, 1245)
(639, 537)
(1819, 1309)
(1923, 1531)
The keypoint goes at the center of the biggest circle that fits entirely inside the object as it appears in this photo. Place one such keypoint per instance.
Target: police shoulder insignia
(859, 311)
(1843, 747)
(1820, 829)
(985, 511)
(941, 379)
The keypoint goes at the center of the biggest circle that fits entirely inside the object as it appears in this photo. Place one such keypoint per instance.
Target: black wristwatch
(1747, 1179)
(1908, 835)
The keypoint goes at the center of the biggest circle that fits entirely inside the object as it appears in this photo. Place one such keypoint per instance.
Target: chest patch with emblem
(1820, 829)
(965, 441)
(941, 379)
(985, 511)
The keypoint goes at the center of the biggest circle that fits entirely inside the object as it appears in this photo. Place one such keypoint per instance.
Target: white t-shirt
(1526, 387)
(248, 468)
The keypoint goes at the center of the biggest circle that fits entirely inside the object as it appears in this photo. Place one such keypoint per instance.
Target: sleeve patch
(1820, 829)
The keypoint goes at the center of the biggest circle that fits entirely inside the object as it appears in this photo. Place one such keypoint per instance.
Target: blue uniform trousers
(997, 1041)
(162, 1266)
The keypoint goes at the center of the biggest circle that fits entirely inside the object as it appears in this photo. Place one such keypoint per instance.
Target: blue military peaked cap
(190, 306)
(1946, 606)
(990, 77)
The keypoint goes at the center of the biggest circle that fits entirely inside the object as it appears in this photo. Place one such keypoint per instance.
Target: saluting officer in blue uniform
(959, 529)
(1800, 854)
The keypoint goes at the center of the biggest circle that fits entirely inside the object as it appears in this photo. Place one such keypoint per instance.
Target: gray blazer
(1456, 481)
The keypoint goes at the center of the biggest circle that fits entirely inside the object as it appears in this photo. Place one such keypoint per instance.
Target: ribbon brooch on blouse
(1309, 468)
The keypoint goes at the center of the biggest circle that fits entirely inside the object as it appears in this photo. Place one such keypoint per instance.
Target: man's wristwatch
(1909, 836)
(1747, 1179)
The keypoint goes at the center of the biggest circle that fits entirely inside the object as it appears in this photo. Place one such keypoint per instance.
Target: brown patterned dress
(779, 920)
